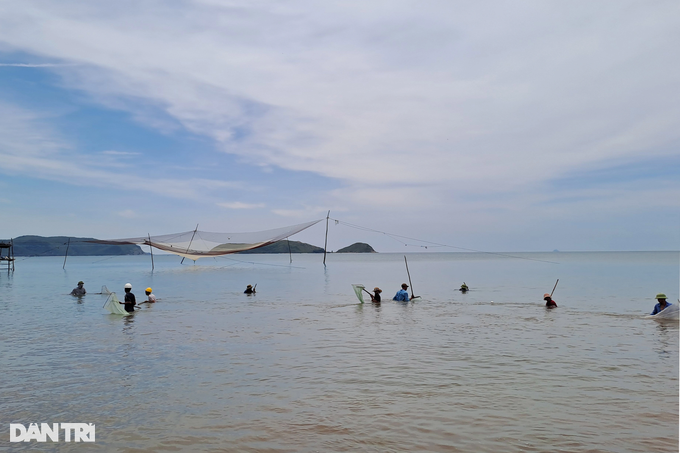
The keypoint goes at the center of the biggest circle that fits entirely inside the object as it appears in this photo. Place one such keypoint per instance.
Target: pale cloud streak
(240, 205)
(31, 147)
(120, 153)
(36, 65)
(127, 214)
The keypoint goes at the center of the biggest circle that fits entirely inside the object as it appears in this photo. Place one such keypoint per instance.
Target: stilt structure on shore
(7, 255)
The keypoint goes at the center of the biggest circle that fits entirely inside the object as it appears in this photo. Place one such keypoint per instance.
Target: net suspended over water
(200, 244)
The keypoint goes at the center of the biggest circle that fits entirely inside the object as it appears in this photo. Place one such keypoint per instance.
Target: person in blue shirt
(661, 297)
(402, 294)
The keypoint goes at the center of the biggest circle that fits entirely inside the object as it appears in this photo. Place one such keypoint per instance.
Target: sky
(493, 125)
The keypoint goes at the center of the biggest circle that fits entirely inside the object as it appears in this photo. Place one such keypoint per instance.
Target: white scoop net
(114, 306)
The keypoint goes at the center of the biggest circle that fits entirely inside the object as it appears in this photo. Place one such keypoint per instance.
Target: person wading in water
(130, 300)
(549, 303)
(662, 305)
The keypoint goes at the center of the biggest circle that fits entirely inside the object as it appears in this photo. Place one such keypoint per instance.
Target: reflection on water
(304, 367)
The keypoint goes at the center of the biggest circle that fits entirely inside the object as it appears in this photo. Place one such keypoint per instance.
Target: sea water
(302, 367)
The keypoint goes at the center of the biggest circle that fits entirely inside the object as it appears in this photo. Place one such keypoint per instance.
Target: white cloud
(128, 214)
(120, 153)
(419, 106)
(240, 205)
(359, 92)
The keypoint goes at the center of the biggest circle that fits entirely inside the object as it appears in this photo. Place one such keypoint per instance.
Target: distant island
(302, 247)
(357, 247)
(282, 247)
(56, 246)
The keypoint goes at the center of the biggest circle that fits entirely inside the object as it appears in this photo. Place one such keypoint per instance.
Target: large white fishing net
(669, 313)
(199, 244)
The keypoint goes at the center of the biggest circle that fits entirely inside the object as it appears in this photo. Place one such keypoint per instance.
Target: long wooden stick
(325, 244)
(551, 292)
(409, 277)
(151, 249)
(66, 254)
(189, 246)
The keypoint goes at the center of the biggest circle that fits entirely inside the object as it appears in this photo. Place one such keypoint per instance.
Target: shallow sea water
(301, 367)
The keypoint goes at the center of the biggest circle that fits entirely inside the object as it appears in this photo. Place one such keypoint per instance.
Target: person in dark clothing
(549, 303)
(79, 290)
(375, 297)
(249, 289)
(130, 300)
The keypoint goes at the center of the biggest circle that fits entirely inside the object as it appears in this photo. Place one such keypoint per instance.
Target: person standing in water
(79, 290)
(464, 288)
(661, 305)
(249, 289)
(130, 300)
(402, 294)
(149, 296)
(375, 297)
(549, 303)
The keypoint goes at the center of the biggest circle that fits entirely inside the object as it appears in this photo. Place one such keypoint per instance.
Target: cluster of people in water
(130, 300)
(402, 296)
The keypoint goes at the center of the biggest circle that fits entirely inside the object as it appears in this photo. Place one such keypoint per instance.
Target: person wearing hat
(149, 295)
(375, 297)
(249, 289)
(549, 303)
(130, 300)
(79, 291)
(662, 305)
(402, 294)
(464, 288)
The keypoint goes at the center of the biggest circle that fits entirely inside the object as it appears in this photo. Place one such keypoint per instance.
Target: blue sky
(493, 126)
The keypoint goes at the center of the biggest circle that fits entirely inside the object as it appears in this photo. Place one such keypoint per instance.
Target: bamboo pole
(409, 278)
(551, 292)
(290, 254)
(151, 249)
(66, 254)
(189, 246)
(325, 244)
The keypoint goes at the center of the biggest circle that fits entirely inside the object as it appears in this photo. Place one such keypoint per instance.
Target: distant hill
(357, 247)
(282, 247)
(56, 246)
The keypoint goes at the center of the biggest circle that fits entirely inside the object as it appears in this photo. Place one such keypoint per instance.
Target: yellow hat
(148, 290)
